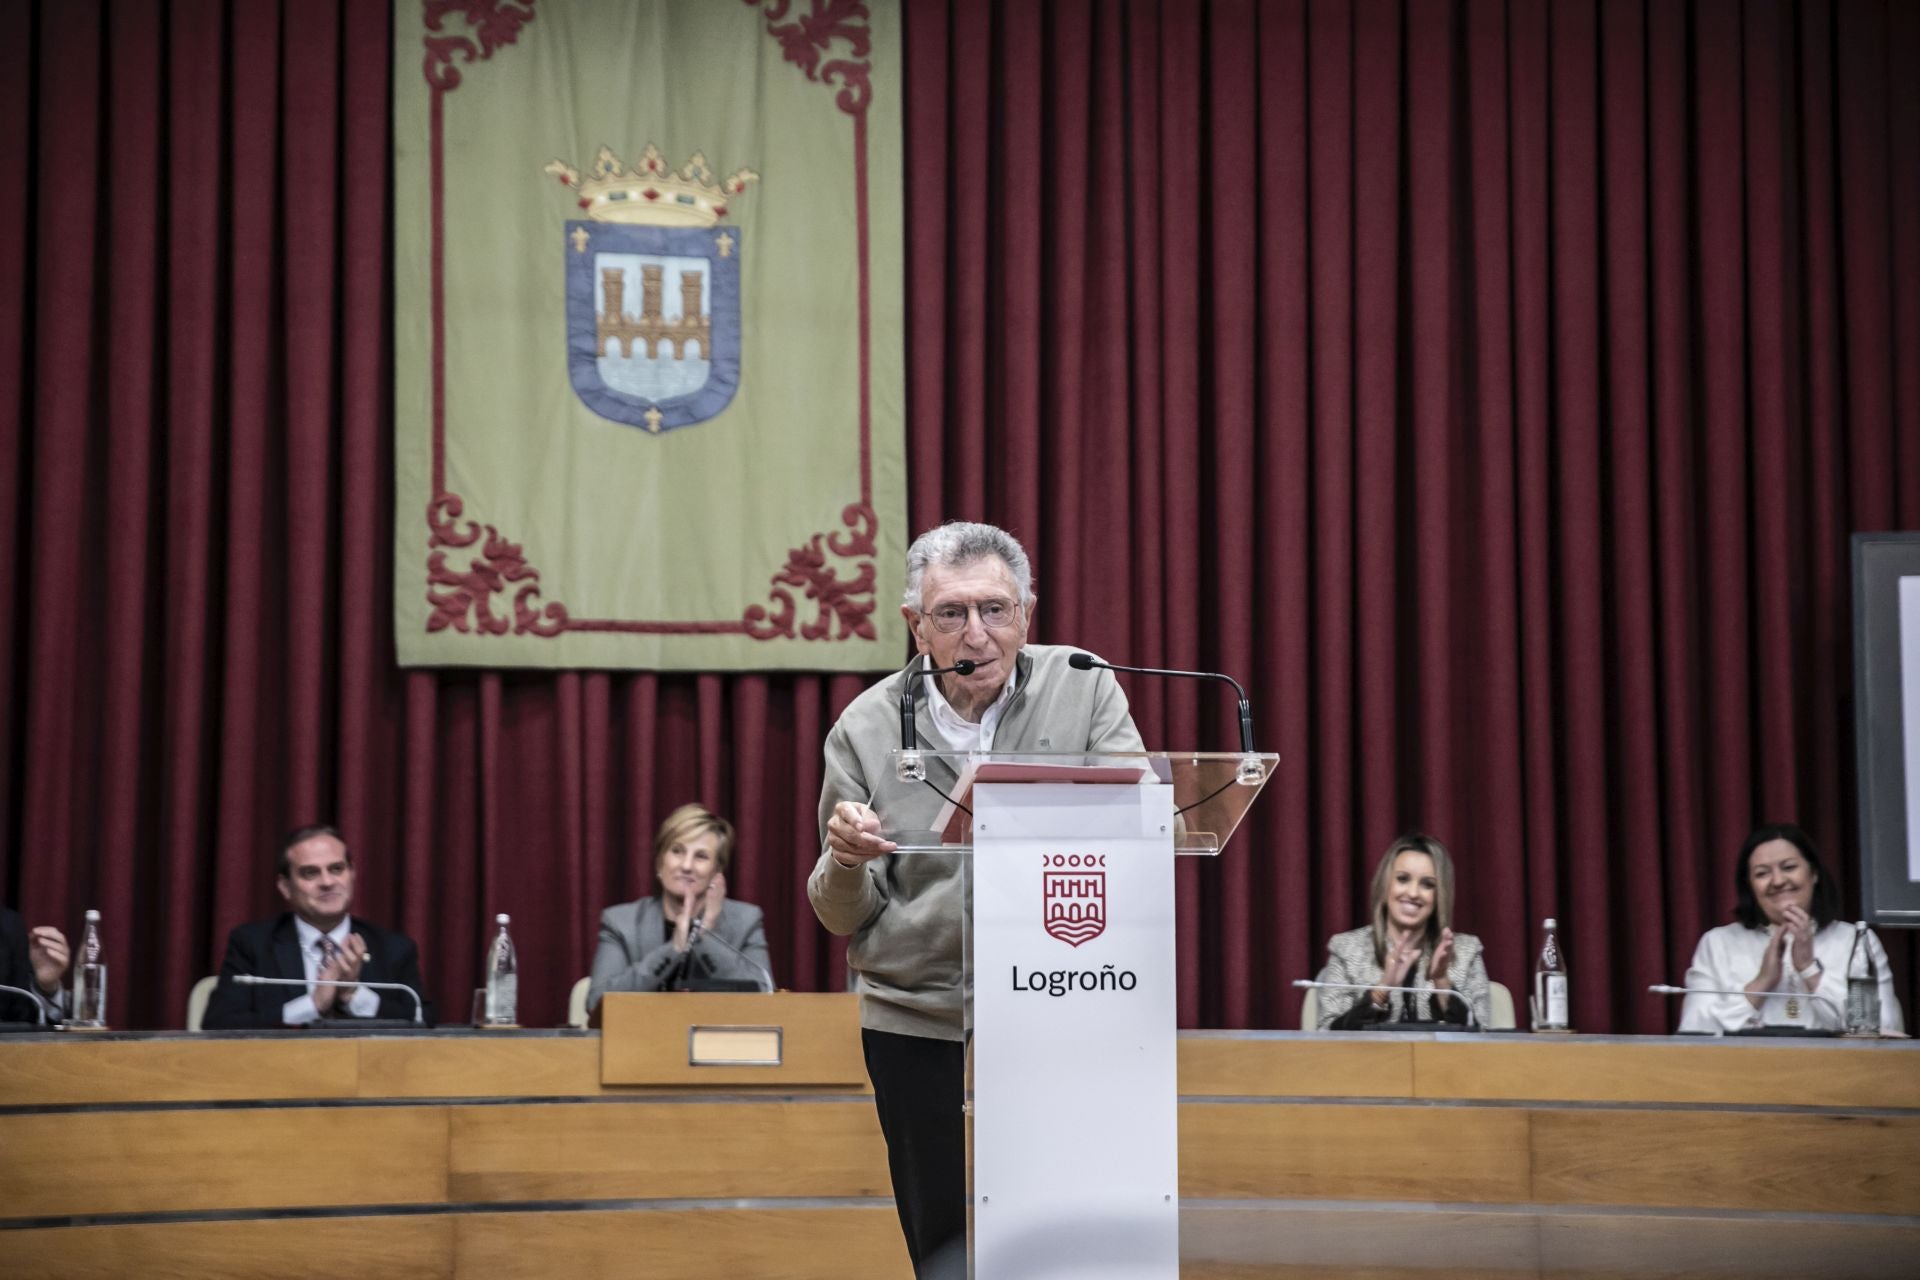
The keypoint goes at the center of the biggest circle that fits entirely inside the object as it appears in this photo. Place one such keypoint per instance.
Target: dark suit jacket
(271, 949)
(16, 968)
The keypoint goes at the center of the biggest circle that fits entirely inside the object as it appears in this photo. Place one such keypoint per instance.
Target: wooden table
(457, 1153)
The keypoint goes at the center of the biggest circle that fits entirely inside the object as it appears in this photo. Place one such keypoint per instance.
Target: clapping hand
(1439, 967)
(337, 977)
(1401, 958)
(47, 952)
(1768, 979)
(1800, 928)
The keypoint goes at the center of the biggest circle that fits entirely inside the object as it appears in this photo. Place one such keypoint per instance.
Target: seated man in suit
(317, 941)
(34, 960)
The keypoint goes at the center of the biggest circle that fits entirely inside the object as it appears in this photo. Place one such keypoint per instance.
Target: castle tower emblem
(653, 289)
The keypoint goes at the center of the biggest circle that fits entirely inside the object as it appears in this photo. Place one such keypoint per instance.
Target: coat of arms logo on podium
(1074, 898)
(653, 290)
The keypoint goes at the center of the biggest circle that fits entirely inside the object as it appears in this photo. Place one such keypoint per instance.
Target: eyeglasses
(993, 613)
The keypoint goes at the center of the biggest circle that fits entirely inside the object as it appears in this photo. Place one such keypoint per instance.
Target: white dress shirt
(1728, 958)
(957, 733)
(301, 1010)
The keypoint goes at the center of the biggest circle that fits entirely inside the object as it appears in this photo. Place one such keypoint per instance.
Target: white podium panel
(1075, 1161)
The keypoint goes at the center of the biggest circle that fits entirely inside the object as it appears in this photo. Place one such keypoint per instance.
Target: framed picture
(1886, 705)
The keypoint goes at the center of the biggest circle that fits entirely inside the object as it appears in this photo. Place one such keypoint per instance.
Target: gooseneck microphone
(1473, 1019)
(760, 972)
(1087, 662)
(34, 998)
(255, 980)
(910, 768)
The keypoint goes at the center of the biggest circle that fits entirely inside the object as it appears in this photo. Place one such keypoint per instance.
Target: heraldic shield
(1074, 905)
(653, 321)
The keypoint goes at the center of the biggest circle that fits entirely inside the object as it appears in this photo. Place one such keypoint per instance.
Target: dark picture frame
(1889, 803)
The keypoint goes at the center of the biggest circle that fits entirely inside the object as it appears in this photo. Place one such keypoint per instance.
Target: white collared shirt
(959, 733)
(301, 1010)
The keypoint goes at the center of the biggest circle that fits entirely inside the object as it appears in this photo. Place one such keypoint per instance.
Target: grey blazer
(1350, 959)
(636, 952)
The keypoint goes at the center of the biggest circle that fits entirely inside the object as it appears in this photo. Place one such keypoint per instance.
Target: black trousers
(919, 1088)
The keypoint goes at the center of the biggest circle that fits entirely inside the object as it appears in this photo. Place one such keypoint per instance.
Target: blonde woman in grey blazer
(690, 926)
(1410, 943)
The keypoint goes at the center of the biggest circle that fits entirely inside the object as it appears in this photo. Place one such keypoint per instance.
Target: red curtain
(1492, 386)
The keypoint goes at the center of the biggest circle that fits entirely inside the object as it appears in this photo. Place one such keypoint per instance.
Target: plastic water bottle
(1863, 986)
(1550, 1004)
(90, 978)
(503, 979)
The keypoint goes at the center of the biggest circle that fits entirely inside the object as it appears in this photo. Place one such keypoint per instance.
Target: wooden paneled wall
(503, 1154)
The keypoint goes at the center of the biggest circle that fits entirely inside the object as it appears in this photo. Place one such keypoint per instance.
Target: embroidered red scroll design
(491, 23)
(806, 39)
(464, 601)
(840, 604)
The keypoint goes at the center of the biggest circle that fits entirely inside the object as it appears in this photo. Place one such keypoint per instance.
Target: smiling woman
(691, 930)
(1410, 943)
(1786, 955)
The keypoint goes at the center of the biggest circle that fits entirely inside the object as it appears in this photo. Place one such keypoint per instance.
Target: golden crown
(652, 193)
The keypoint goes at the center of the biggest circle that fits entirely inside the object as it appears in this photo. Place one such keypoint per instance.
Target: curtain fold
(1492, 387)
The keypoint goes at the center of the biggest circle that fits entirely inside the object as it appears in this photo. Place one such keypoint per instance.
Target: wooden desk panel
(767, 1244)
(1219, 1066)
(644, 1039)
(666, 1149)
(1423, 1243)
(81, 1070)
(79, 1163)
(1691, 1128)
(1824, 1073)
(400, 1248)
(498, 1064)
(1782, 1162)
(1305, 1151)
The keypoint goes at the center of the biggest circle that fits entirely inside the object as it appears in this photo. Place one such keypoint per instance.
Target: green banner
(648, 329)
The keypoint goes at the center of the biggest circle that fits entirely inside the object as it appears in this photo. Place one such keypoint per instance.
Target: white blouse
(1728, 958)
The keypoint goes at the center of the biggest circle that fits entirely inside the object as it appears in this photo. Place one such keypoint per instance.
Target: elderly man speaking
(969, 597)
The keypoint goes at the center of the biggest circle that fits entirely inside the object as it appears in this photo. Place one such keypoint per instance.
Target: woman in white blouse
(1785, 947)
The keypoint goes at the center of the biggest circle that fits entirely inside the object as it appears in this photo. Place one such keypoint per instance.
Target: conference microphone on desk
(1252, 772)
(1775, 1029)
(255, 980)
(911, 768)
(1473, 1019)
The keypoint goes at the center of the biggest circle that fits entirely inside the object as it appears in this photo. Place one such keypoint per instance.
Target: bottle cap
(93, 916)
(501, 918)
(1550, 924)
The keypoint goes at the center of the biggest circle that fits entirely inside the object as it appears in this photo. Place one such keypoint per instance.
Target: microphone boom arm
(1665, 989)
(39, 1001)
(1087, 662)
(256, 980)
(1473, 1018)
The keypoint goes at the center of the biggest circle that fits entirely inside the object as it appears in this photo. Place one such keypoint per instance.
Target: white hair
(961, 542)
